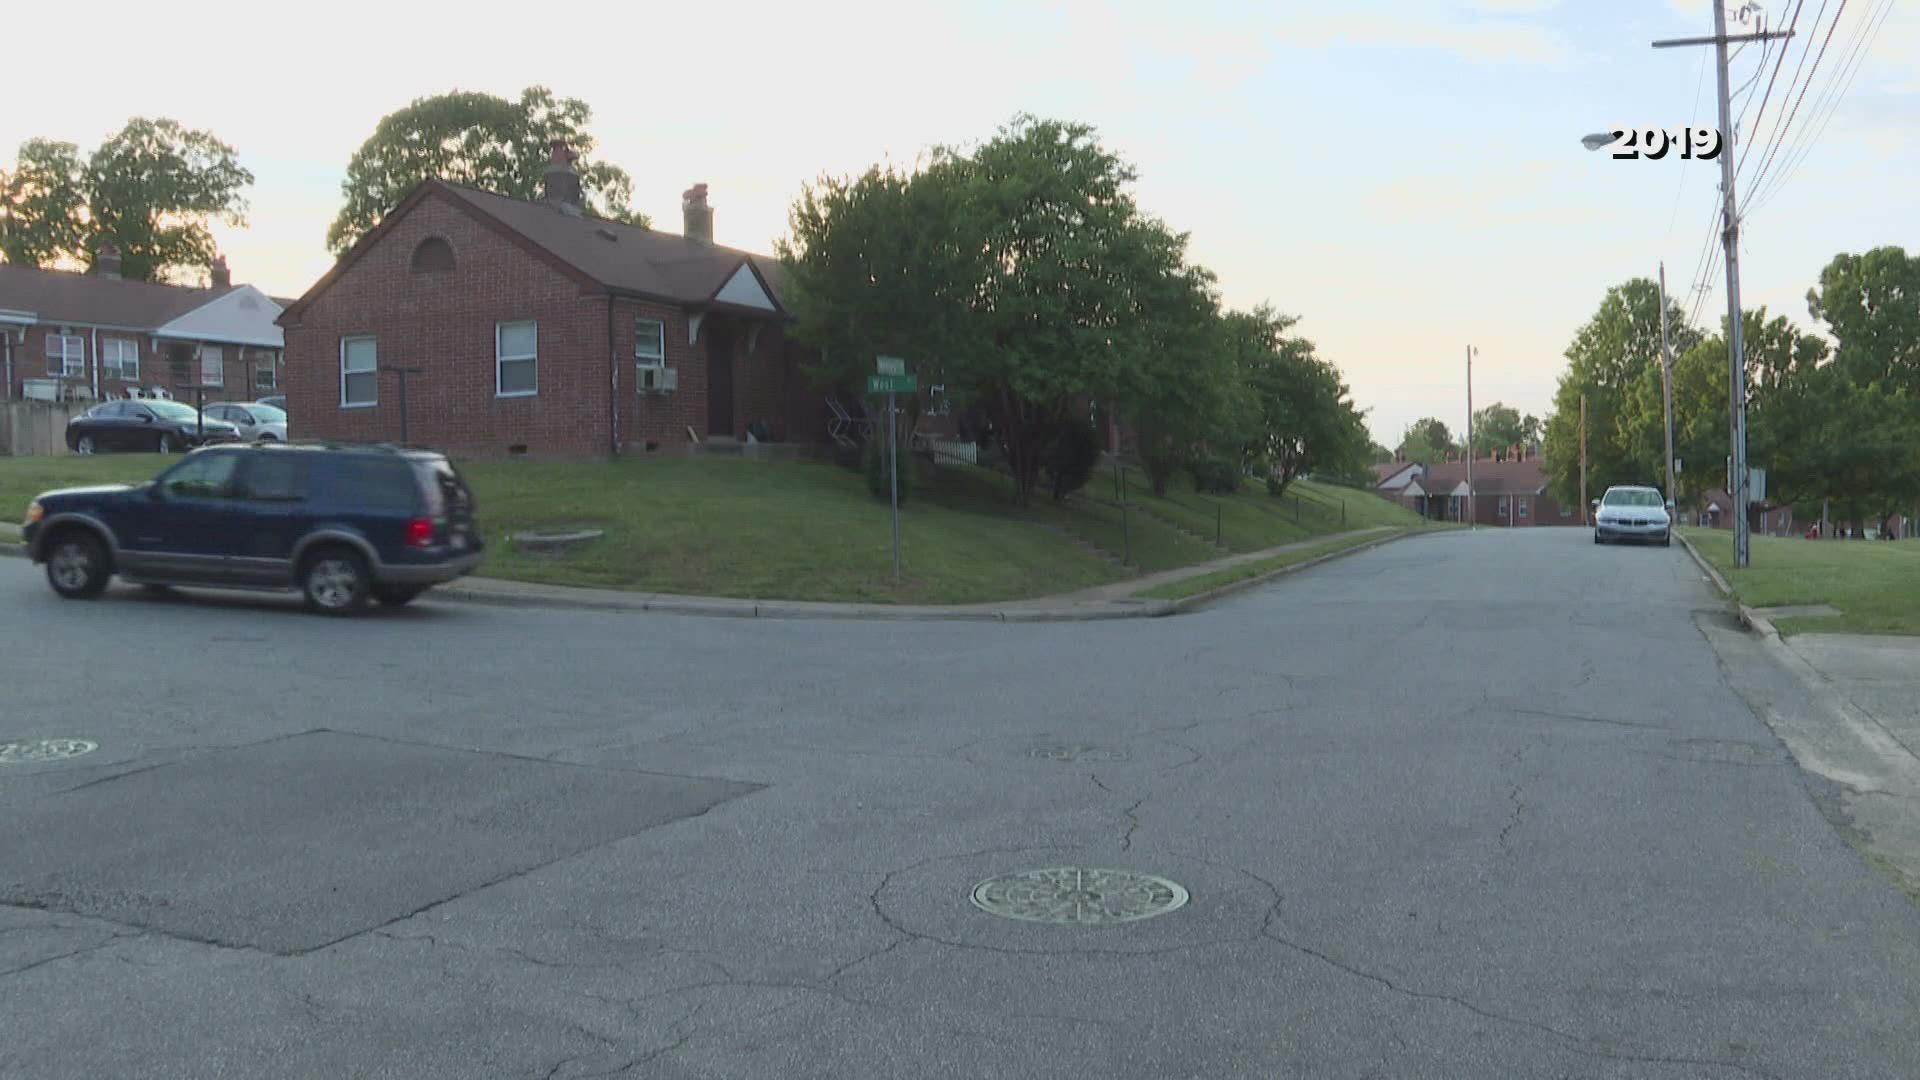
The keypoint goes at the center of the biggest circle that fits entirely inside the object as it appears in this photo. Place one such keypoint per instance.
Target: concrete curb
(1749, 618)
(1190, 603)
(553, 597)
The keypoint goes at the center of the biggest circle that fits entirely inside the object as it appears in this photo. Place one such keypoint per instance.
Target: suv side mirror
(146, 418)
(1595, 505)
(1669, 506)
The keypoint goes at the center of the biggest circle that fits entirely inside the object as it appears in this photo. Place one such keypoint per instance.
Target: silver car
(257, 422)
(1636, 514)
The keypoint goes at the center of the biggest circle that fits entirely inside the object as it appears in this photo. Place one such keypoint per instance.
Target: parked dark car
(341, 524)
(163, 426)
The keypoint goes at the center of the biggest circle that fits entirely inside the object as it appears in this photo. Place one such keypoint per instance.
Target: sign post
(892, 379)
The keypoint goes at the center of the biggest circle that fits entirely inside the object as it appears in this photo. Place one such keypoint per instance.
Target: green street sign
(892, 384)
(889, 365)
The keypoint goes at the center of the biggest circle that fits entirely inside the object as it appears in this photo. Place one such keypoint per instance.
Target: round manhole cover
(1071, 752)
(1078, 896)
(29, 751)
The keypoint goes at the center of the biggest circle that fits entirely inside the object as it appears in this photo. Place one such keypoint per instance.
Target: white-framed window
(1521, 501)
(1500, 506)
(266, 371)
(213, 366)
(120, 358)
(516, 358)
(359, 372)
(66, 355)
(649, 343)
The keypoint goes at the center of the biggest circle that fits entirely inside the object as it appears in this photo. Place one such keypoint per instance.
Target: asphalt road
(1468, 805)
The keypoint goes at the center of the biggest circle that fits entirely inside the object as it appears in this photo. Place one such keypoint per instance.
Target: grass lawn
(1874, 583)
(810, 531)
(1180, 590)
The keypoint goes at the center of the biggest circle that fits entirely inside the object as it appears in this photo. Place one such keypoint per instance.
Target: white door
(213, 366)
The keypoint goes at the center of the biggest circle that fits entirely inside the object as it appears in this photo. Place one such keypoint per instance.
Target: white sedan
(257, 422)
(1633, 513)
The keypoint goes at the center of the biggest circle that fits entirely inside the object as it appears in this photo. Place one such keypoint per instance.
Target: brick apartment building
(530, 328)
(77, 336)
(1509, 489)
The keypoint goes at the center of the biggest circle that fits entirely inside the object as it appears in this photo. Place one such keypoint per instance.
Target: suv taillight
(420, 532)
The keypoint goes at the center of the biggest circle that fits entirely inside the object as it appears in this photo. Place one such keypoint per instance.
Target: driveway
(1467, 805)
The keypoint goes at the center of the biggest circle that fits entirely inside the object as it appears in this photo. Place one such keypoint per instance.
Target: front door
(719, 379)
(186, 532)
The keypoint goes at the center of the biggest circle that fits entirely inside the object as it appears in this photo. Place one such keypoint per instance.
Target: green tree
(1871, 304)
(1018, 271)
(1184, 397)
(43, 204)
(479, 140)
(1426, 441)
(1307, 423)
(152, 189)
(1499, 426)
(1609, 356)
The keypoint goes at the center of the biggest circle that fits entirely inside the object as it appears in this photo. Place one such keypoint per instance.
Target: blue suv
(341, 524)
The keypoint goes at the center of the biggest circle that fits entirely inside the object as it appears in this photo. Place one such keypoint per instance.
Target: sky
(1405, 176)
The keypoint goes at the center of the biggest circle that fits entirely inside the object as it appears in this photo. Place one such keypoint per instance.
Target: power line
(1698, 84)
(1780, 135)
(1828, 103)
(1777, 64)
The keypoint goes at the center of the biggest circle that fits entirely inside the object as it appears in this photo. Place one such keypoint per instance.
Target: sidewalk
(1113, 601)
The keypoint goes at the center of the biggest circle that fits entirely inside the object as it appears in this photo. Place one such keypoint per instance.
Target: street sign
(892, 384)
(890, 365)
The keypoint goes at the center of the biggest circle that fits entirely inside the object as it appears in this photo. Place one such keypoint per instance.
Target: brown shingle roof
(1492, 477)
(618, 257)
(64, 296)
(625, 257)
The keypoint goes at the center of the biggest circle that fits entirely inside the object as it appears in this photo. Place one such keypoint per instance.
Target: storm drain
(1078, 896)
(33, 751)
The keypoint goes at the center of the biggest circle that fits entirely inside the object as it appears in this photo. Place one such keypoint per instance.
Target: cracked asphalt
(1467, 805)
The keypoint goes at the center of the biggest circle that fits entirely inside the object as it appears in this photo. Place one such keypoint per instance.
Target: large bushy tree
(153, 190)
(480, 140)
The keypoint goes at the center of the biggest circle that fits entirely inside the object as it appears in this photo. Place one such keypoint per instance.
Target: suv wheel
(77, 565)
(335, 581)
(165, 443)
(84, 445)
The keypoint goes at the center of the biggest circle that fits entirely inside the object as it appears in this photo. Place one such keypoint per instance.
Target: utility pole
(1666, 379)
(1473, 515)
(1585, 512)
(1730, 239)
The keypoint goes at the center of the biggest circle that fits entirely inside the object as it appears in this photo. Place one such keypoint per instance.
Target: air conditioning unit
(659, 380)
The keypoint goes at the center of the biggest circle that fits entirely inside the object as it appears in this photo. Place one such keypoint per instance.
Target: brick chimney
(222, 277)
(560, 185)
(698, 215)
(106, 259)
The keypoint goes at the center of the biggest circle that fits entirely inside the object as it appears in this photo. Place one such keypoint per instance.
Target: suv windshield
(264, 414)
(1632, 497)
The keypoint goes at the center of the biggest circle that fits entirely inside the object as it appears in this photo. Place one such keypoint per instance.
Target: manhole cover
(29, 751)
(1078, 896)
(1068, 752)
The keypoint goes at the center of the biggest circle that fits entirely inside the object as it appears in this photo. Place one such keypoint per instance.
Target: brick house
(67, 336)
(529, 328)
(1509, 490)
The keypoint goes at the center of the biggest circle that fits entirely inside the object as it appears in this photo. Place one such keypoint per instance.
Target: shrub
(1070, 457)
(1274, 486)
(873, 462)
(1214, 476)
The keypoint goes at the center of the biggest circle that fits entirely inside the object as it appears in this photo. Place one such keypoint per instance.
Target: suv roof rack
(348, 444)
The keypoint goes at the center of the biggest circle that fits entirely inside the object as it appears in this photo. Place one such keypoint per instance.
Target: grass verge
(1875, 584)
(1194, 586)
